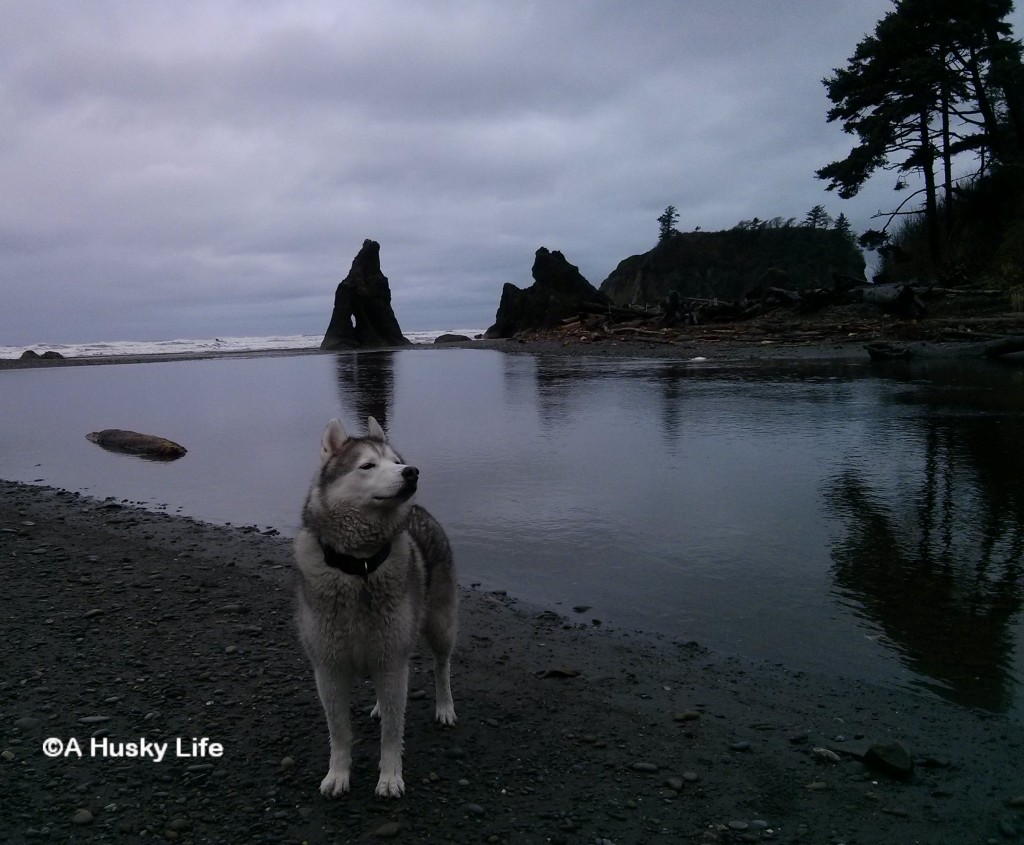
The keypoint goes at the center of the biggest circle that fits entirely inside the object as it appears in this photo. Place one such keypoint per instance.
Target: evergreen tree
(667, 224)
(817, 218)
(932, 83)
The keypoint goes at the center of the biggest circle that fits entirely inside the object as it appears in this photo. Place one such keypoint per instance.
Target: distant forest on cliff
(935, 98)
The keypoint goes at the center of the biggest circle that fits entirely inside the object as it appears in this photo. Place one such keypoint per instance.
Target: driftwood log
(990, 349)
(133, 443)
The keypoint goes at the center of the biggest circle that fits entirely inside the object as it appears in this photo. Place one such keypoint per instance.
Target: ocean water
(184, 346)
(851, 520)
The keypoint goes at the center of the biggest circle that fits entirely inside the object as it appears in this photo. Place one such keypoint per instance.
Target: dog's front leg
(334, 689)
(392, 688)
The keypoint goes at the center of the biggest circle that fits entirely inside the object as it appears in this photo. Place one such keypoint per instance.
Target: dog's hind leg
(440, 638)
(392, 688)
(444, 708)
(334, 696)
(440, 635)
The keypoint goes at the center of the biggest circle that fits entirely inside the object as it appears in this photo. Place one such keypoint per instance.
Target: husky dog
(374, 571)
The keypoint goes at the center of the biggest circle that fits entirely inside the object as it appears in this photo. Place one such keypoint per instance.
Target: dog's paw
(445, 715)
(390, 785)
(375, 713)
(335, 784)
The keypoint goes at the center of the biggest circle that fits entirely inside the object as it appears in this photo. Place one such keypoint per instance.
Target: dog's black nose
(410, 473)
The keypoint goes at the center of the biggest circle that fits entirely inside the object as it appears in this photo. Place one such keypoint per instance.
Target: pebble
(82, 817)
(645, 768)
(287, 762)
(686, 716)
(94, 720)
(738, 825)
(740, 746)
(388, 830)
(473, 809)
(824, 755)
(691, 777)
(7, 755)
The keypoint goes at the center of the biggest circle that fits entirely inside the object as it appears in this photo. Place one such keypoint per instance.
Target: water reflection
(933, 552)
(366, 384)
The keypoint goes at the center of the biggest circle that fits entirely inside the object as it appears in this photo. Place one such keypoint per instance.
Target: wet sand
(123, 624)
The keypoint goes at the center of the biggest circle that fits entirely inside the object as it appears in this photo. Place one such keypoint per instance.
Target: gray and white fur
(365, 620)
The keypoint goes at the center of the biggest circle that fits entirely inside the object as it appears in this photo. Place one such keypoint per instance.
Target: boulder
(451, 338)
(362, 316)
(558, 292)
(892, 758)
(29, 355)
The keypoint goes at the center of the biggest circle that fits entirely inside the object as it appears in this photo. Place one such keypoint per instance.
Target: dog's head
(364, 471)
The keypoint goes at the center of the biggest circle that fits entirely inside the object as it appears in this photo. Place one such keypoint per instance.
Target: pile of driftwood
(769, 314)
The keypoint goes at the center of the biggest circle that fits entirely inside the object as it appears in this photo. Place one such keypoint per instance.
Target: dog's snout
(410, 473)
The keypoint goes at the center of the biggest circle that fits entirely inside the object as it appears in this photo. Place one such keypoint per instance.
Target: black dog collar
(361, 567)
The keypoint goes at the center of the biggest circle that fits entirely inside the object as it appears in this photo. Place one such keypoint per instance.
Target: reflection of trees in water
(940, 571)
(561, 382)
(366, 384)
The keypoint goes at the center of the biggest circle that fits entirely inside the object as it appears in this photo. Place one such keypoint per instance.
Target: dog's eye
(368, 465)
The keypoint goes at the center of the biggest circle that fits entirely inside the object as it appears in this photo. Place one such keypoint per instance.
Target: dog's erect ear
(333, 439)
(374, 429)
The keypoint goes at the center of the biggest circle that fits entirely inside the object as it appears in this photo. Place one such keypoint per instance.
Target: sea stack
(558, 292)
(362, 316)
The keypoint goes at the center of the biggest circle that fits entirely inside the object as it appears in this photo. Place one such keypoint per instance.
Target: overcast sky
(198, 169)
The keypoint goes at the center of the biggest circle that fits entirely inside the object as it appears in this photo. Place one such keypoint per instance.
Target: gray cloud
(211, 168)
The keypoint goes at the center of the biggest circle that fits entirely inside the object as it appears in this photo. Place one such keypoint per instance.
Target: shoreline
(125, 623)
(852, 351)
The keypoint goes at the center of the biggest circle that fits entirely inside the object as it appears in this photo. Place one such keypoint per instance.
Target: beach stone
(7, 755)
(740, 746)
(388, 830)
(891, 758)
(451, 338)
(687, 716)
(82, 817)
(691, 777)
(646, 768)
(473, 809)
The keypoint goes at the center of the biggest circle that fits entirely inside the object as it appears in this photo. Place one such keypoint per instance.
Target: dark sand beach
(123, 624)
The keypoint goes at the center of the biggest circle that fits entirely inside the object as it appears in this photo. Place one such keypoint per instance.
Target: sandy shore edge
(122, 623)
(721, 351)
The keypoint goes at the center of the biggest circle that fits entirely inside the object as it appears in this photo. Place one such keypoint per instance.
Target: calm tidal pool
(849, 520)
